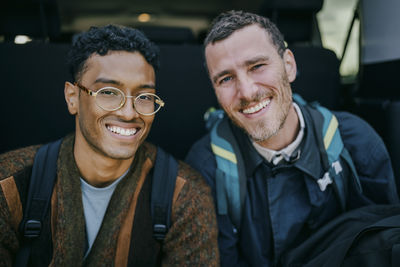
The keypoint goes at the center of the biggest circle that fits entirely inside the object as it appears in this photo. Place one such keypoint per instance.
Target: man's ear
(71, 94)
(290, 65)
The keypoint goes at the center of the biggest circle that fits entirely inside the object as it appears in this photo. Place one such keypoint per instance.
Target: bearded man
(287, 190)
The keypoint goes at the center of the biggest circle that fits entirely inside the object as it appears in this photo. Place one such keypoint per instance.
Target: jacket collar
(310, 157)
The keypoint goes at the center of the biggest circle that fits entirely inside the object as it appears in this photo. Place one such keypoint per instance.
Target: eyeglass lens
(109, 98)
(113, 99)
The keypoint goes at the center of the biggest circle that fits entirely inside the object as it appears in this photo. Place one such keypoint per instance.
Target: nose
(128, 111)
(246, 87)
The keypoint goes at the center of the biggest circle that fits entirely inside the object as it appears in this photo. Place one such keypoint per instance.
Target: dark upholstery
(32, 94)
(383, 115)
(169, 35)
(184, 85)
(35, 18)
(379, 80)
(318, 75)
(301, 13)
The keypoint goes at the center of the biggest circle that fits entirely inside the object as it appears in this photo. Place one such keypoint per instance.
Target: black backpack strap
(44, 173)
(163, 186)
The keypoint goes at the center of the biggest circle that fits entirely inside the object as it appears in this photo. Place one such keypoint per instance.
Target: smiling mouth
(257, 107)
(122, 131)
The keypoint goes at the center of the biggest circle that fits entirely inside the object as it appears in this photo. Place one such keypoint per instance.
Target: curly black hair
(101, 40)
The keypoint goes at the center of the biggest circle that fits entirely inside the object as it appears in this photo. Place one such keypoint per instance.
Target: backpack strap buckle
(159, 231)
(32, 228)
(324, 181)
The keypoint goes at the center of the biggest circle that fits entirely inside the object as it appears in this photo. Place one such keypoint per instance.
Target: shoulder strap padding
(163, 186)
(230, 173)
(44, 173)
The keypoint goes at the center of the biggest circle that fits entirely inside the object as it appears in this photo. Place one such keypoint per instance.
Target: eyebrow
(246, 63)
(110, 81)
(147, 86)
(255, 60)
(105, 80)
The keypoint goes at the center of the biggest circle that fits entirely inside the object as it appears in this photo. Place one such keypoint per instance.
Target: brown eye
(256, 67)
(145, 97)
(107, 92)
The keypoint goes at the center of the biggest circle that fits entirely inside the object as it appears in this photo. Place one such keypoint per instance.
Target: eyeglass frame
(158, 100)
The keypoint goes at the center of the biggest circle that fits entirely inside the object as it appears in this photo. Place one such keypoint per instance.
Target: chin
(120, 153)
(121, 156)
(262, 131)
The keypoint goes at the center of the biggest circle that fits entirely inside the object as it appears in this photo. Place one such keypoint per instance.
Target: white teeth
(122, 131)
(257, 107)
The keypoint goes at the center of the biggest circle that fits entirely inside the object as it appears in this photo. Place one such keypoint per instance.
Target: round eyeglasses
(111, 99)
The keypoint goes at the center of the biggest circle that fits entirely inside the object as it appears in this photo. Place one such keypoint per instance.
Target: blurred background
(333, 17)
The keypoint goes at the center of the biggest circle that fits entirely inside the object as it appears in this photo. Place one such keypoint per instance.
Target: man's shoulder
(189, 175)
(202, 158)
(200, 152)
(366, 147)
(149, 150)
(14, 161)
(355, 130)
(202, 144)
(191, 190)
(189, 182)
(349, 120)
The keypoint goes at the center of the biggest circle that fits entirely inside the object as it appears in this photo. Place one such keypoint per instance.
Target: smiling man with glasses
(100, 210)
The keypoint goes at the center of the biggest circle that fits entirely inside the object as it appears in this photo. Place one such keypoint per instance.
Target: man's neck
(97, 169)
(286, 135)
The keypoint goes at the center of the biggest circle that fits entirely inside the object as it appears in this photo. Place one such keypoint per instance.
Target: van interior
(35, 36)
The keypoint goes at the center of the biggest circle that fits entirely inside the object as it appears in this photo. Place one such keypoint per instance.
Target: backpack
(230, 173)
(368, 236)
(44, 174)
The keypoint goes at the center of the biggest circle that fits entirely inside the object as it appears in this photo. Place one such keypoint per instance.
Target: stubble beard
(265, 129)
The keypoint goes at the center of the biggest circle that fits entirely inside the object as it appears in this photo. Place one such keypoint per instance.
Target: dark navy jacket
(284, 203)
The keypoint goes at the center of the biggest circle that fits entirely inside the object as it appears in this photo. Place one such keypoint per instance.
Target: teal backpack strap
(230, 173)
(299, 100)
(331, 142)
(335, 150)
(333, 146)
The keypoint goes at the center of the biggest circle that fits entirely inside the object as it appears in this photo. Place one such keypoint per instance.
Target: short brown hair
(228, 22)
